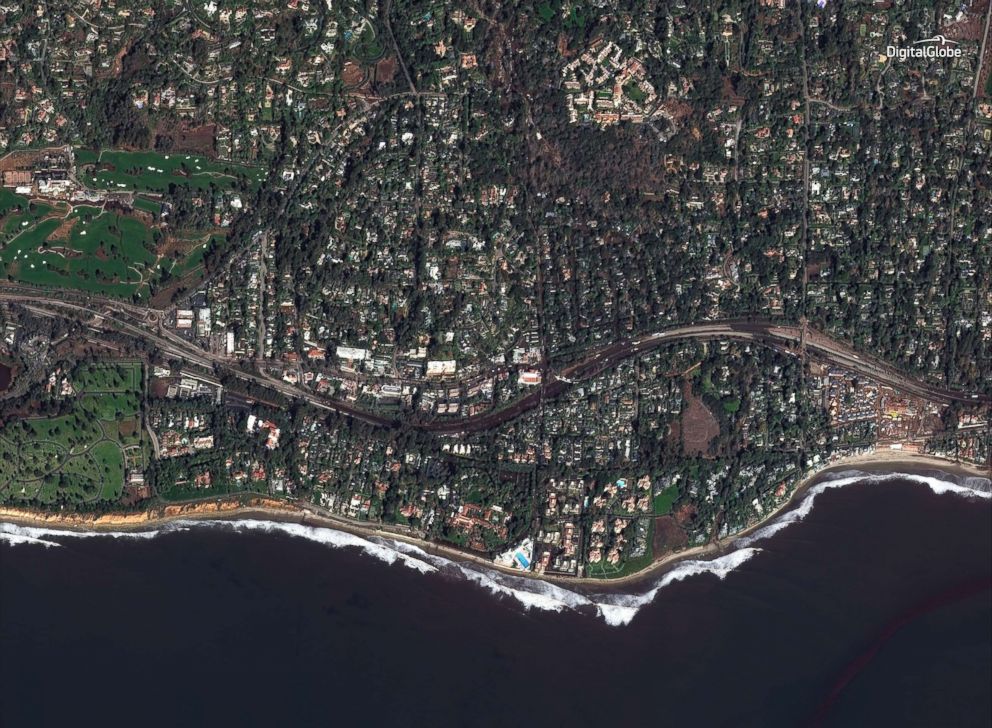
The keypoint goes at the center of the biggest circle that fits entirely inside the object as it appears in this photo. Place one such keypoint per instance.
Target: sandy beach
(266, 508)
(887, 461)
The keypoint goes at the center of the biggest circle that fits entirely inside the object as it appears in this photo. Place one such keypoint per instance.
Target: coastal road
(146, 324)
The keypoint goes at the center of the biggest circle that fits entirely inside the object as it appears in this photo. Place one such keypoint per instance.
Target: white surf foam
(15, 534)
(377, 548)
(616, 609)
(972, 487)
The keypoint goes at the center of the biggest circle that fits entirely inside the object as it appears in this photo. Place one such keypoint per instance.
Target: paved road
(144, 324)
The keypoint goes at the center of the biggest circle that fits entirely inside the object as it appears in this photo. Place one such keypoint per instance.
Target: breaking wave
(616, 609)
(968, 486)
(15, 534)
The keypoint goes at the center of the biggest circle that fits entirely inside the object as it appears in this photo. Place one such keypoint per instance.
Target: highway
(145, 324)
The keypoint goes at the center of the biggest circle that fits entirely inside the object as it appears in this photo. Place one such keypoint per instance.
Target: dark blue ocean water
(875, 610)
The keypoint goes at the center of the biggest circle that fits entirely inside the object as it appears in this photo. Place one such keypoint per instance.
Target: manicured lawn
(664, 501)
(155, 171)
(96, 251)
(140, 203)
(77, 457)
(110, 407)
(112, 377)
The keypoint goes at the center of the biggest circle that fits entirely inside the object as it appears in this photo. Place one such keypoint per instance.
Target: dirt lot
(127, 427)
(668, 536)
(158, 387)
(163, 297)
(63, 230)
(134, 494)
(353, 75)
(699, 426)
(385, 70)
(184, 138)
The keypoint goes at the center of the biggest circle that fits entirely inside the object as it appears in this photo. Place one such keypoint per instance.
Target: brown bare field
(64, 228)
(21, 159)
(970, 26)
(134, 494)
(128, 427)
(385, 70)
(352, 76)
(158, 387)
(172, 244)
(668, 536)
(163, 297)
(117, 64)
(184, 138)
(699, 426)
(685, 514)
(729, 93)
(674, 432)
(680, 110)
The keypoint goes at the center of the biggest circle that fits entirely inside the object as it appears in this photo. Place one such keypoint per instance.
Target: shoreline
(261, 507)
(884, 461)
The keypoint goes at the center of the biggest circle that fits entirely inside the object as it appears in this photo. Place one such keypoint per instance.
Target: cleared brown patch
(158, 387)
(385, 70)
(176, 286)
(172, 245)
(729, 93)
(669, 536)
(134, 494)
(680, 110)
(127, 428)
(64, 228)
(352, 76)
(23, 159)
(699, 426)
(685, 514)
(117, 64)
(65, 252)
(181, 137)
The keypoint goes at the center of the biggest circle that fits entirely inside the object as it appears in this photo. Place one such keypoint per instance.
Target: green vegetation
(366, 45)
(104, 378)
(664, 501)
(89, 250)
(78, 456)
(603, 570)
(575, 19)
(17, 213)
(634, 93)
(155, 171)
(140, 203)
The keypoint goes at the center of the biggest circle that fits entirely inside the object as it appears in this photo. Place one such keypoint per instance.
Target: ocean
(873, 607)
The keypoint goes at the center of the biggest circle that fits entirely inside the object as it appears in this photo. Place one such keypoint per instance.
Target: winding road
(144, 323)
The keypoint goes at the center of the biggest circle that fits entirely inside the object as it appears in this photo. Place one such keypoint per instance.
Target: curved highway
(145, 324)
